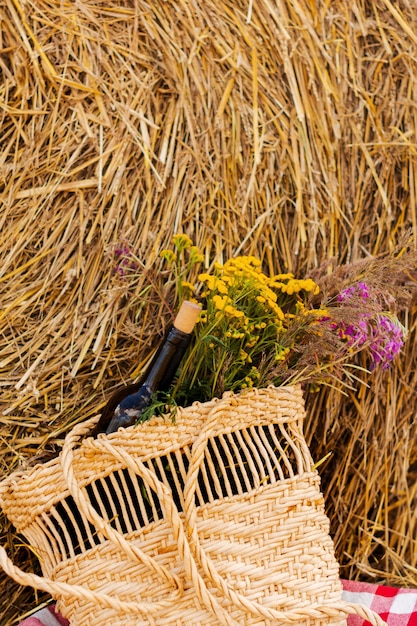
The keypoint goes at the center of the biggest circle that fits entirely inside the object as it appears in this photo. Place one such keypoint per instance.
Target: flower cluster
(387, 340)
(380, 332)
(257, 329)
(243, 330)
(182, 261)
(125, 260)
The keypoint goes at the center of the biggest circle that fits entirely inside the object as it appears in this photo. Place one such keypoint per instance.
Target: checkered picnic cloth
(45, 617)
(397, 607)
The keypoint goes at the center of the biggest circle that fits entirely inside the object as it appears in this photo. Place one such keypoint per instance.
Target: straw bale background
(283, 128)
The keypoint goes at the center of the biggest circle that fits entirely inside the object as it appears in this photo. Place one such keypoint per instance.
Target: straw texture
(260, 555)
(285, 129)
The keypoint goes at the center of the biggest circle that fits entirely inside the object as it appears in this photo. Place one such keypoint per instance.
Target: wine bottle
(127, 405)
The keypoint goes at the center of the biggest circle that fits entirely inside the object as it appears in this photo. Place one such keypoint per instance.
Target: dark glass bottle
(127, 405)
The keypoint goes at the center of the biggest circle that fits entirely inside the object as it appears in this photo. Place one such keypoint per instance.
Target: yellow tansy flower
(168, 255)
(220, 302)
(233, 312)
(181, 241)
(186, 285)
(195, 255)
(221, 286)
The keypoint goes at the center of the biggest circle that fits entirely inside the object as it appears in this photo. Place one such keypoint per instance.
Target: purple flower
(356, 333)
(381, 334)
(119, 271)
(387, 340)
(122, 251)
(125, 260)
(360, 289)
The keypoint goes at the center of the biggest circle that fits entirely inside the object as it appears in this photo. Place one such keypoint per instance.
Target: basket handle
(131, 551)
(367, 614)
(206, 597)
(55, 587)
(170, 513)
(70, 591)
(208, 566)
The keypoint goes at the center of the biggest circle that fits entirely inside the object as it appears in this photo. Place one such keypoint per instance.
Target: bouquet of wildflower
(257, 329)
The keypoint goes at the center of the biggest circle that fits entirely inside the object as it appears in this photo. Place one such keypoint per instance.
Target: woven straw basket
(214, 519)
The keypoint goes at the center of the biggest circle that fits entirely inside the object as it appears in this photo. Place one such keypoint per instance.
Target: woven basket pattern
(215, 519)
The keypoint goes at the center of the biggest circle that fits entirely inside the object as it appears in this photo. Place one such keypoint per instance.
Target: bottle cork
(187, 316)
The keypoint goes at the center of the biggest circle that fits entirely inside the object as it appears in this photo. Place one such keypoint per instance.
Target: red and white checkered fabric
(45, 617)
(397, 607)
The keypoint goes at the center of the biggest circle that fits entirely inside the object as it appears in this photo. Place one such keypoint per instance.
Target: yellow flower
(233, 312)
(168, 255)
(195, 255)
(245, 266)
(254, 373)
(221, 286)
(308, 284)
(245, 356)
(291, 287)
(295, 285)
(276, 309)
(181, 241)
(283, 276)
(281, 353)
(220, 302)
(208, 279)
(186, 285)
(214, 283)
(317, 313)
(228, 280)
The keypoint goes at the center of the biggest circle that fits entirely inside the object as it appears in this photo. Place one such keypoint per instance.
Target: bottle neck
(167, 359)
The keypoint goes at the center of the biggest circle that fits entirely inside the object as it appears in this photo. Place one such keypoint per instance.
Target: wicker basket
(214, 519)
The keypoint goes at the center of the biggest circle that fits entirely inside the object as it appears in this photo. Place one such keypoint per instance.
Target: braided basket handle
(57, 588)
(70, 591)
(208, 566)
(206, 597)
(131, 551)
(350, 608)
(171, 514)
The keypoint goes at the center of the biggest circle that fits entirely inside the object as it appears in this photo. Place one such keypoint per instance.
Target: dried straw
(285, 129)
